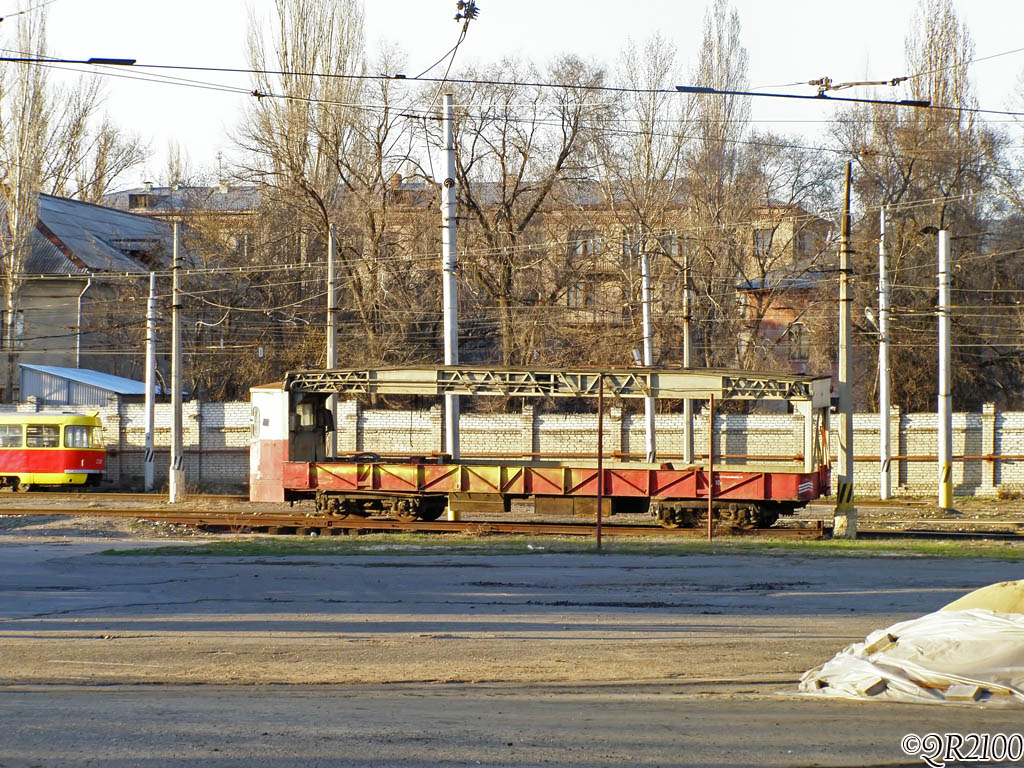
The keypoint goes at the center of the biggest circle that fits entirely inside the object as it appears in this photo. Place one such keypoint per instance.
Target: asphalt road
(397, 658)
(476, 725)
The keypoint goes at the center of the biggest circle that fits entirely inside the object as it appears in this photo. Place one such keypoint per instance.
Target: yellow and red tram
(50, 449)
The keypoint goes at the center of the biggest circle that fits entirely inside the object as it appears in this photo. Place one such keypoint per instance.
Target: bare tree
(25, 121)
(640, 150)
(84, 154)
(522, 152)
(333, 149)
(48, 143)
(718, 199)
(905, 157)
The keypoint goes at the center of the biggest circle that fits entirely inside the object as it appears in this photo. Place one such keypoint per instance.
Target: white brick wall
(216, 440)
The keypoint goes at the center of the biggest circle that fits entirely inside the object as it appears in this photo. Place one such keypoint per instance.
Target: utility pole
(884, 441)
(450, 289)
(945, 401)
(150, 379)
(332, 332)
(176, 475)
(687, 341)
(845, 525)
(645, 296)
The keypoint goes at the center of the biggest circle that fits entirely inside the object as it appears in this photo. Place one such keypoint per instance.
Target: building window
(799, 343)
(580, 296)
(763, 241)
(584, 243)
(672, 244)
(19, 329)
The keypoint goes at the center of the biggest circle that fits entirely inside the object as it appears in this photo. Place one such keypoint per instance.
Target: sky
(788, 41)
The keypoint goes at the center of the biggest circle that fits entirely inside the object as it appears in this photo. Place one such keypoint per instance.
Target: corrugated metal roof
(47, 259)
(117, 384)
(99, 239)
(93, 233)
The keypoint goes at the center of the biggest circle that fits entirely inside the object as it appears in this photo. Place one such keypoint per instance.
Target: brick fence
(988, 447)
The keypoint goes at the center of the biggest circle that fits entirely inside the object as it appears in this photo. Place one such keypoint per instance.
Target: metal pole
(600, 454)
(450, 290)
(845, 526)
(945, 405)
(884, 441)
(645, 294)
(150, 379)
(687, 341)
(176, 476)
(331, 360)
(711, 464)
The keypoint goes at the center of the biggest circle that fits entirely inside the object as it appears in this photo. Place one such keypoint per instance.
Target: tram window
(42, 436)
(10, 435)
(79, 436)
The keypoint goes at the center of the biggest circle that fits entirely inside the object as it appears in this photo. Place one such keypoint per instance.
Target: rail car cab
(50, 449)
(285, 427)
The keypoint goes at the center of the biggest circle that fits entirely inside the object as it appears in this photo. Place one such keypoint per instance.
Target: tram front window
(81, 436)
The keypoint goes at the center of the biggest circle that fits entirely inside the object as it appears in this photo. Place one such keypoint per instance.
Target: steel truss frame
(677, 384)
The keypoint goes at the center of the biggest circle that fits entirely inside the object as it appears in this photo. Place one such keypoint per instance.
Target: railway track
(276, 522)
(291, 523)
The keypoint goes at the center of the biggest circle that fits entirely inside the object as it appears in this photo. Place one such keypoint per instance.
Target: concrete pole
(884, 374)
(176, 478)
(645, 296)
(945, 401)
(450, 289)
(687, 351)
(150, 379)
(845, 525)
(331, 360)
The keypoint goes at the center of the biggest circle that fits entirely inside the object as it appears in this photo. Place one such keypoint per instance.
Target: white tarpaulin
(955, 655)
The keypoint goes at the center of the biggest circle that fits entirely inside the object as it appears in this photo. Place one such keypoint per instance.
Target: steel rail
(277, 521)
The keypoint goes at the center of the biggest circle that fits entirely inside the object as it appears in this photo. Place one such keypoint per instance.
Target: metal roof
(77, 238)
(170, 199)
(105, 239)
(119, 385)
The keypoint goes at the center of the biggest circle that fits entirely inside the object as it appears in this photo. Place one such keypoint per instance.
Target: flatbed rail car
(289, 457)
(50, 449)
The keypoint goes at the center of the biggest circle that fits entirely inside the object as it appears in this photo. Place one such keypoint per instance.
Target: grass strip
(416, 544)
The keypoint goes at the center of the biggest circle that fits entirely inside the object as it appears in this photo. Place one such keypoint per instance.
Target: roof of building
(783, 280)
(223, 198)
(77, 238)
(119, 385)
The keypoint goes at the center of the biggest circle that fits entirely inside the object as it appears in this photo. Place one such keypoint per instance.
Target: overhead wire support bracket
(819, 97)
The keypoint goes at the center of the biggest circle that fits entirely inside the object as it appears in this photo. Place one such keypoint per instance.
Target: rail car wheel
(431, 509)
(405, 510)
(20, 486)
